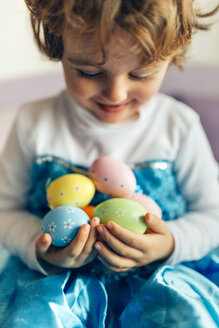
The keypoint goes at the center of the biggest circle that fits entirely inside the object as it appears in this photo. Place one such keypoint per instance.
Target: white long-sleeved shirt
(166, 129)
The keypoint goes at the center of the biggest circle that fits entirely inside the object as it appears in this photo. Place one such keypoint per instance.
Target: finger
(111, 267)
(43, 243)
(117, 245)
(132, 239)
(89, 245)
(155, 224)
(112, 258)
(95, 221)
(77, 245)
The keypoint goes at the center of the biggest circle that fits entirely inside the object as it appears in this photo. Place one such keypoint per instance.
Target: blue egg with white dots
(63, 223)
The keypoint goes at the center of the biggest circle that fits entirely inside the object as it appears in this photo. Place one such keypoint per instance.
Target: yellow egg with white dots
(70, 189)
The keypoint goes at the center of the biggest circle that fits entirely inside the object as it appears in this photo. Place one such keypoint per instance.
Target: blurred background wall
(20, 58)
(25, 74)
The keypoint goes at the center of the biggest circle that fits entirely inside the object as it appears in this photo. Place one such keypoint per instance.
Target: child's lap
(173, 296)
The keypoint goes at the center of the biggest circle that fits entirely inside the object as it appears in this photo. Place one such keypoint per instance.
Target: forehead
(120, 46)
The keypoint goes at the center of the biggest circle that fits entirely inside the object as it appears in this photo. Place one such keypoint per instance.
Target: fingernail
(97, 246)
(86, 228)
(149, 216)
(44, 240)
(100, 229)
(109, 225)
(95, 221)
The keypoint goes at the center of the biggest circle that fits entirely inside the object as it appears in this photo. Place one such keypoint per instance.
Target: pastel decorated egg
(127, 213)
(112, 177)
(148, 203)
(70, 189)
(63, 223)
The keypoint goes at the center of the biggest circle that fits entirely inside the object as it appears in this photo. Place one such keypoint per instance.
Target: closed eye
(139, 78)
(89, 75)
(100, 74)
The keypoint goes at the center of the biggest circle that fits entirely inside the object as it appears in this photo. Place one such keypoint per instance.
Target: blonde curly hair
(163, 29)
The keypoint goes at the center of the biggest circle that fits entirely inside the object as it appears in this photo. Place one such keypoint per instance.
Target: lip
(112, 109)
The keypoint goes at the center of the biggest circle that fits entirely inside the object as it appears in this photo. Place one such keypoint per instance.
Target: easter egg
(148, 203)
(70, 189)
(112, 177)
(63, 223)
(89, 209)
(127, 213)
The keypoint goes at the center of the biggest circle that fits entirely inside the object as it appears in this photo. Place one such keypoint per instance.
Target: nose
(115, 90)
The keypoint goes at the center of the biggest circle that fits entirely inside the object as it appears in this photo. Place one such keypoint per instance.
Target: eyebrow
(85, 62)
(77, 61)
(149, 70)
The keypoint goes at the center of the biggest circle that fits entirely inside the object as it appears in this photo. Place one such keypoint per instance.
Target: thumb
(43, 243)
(155, 224)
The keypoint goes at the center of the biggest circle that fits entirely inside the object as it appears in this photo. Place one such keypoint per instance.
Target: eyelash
(100, 74)
(138, 78)
(89, 76)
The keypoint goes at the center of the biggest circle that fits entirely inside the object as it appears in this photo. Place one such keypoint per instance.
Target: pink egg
(112, 177)
(147, 202)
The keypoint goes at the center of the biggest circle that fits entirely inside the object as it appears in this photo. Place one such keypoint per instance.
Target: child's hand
(123, 250)
(77, 254)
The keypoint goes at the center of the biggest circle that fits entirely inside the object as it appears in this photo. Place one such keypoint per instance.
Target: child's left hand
(123, 250)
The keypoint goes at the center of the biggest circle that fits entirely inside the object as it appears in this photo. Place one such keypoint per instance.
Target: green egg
(127, 213)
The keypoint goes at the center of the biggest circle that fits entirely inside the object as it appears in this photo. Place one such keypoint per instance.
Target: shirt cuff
(31, 260)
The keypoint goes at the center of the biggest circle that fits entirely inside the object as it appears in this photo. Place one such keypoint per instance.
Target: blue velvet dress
(185, 295)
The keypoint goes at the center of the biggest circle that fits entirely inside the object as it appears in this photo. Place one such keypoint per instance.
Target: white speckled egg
(127, 213)
(63, 223)
(112, 177)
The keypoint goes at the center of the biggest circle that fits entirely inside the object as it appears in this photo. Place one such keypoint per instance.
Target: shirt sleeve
(196, 232)
(19, 229)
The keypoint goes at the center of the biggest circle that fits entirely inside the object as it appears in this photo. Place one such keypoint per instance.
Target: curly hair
(163, 29)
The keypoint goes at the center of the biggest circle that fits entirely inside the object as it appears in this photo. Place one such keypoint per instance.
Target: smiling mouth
(112, 108)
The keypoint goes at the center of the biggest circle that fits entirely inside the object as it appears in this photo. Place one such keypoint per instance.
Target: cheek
(148, 90)
(80, 88)
(76, 87)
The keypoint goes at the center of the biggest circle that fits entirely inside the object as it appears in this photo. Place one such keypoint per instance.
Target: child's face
(116, 90)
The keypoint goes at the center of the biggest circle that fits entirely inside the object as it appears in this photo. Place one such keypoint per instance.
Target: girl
(114, 55)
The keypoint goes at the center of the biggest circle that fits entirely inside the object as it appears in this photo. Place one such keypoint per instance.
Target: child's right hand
(75, 255)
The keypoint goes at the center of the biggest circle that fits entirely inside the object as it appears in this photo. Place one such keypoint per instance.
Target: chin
(110, 120)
